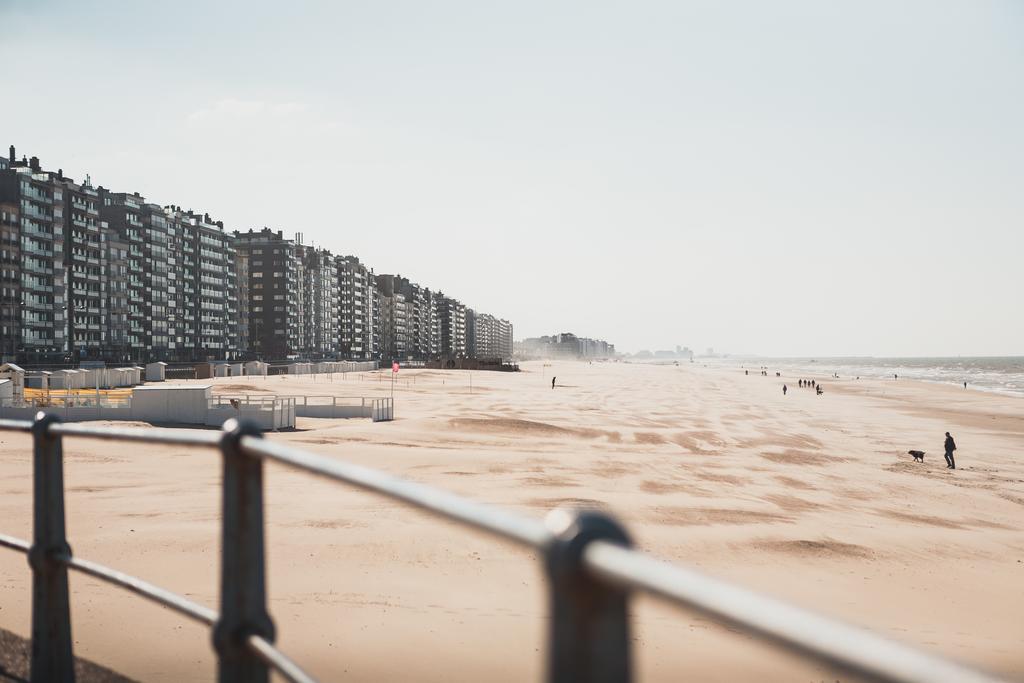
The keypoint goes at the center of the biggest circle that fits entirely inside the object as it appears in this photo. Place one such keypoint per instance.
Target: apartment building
(115, 260)
(432, 323)
(505, 339)
(206, 251)
(84, 236)
(89, 273)
(452, 321)
(32, 258)
(358, 310)
(564, 345)
(123, 214)
(394, 318)
(242, 298)
(180, 283)
(487, 336)
(420, 321)
(317, 276)
(273, 293)
(10, 277)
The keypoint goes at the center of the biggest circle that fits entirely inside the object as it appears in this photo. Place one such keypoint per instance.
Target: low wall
(343, 411)
(267, 420)
(332, 406)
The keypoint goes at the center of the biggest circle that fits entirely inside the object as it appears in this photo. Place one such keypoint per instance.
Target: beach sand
(809, 498)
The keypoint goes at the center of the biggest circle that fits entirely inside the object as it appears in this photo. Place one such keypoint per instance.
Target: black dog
(918, 455)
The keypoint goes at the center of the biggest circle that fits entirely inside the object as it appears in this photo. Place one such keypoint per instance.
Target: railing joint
(589, 639)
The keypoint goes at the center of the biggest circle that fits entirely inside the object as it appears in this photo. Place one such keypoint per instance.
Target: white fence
(269, 412)
(333, 406)
(322, 368)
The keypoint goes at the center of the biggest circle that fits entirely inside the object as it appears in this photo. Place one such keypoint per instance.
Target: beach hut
(38, 380)
(16, 375)
(62, 379)
(156, 372)
(81, 379)
(6, 392)
(87, 378)
(256, 367)
(237, 370)
(221, 370)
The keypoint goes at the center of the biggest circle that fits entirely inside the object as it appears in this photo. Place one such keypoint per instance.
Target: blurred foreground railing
(590, 566)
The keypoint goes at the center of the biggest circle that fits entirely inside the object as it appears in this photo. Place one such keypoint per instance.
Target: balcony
(29, 228)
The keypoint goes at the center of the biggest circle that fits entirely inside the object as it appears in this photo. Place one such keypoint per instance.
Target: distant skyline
(784, 179)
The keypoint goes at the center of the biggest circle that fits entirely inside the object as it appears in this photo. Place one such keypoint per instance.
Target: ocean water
(1004, 375)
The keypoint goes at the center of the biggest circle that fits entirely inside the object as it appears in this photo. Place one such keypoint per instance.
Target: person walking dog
(950, 446)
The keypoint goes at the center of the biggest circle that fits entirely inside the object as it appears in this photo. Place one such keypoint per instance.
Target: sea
(1000, 374)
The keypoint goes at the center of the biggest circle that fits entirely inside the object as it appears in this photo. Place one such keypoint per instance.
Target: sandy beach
(809, 498)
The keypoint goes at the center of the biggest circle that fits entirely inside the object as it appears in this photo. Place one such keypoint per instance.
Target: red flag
(394, 366)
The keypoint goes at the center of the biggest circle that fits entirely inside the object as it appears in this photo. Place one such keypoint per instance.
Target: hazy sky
(784, 178)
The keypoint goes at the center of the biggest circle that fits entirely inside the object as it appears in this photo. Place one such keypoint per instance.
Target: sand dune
(810, 498)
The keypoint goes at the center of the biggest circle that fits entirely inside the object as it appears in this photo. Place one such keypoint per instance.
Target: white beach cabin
(38, 380)
(16, 375)
(256, 367)
(156, 372)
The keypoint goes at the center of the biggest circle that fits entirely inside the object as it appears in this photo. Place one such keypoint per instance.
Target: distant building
(565, 345)
(273, 293)
(394, 318)
(87, 273)
(179, 289)
(319, 295)
(452, 320)
(488, 337)
(358, 310)
(33, 285)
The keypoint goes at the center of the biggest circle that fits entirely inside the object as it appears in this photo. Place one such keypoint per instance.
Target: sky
(781, 178)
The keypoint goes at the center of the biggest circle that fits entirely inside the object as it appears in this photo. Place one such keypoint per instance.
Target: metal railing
(587, 557)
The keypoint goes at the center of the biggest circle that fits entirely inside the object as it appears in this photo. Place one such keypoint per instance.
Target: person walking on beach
(553, 382)
(950, 446)
(784, 389)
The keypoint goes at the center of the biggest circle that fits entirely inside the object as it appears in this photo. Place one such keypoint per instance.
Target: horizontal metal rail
(273, 657)
(204, 615)
(846, 647)
(15, 425)
(175, 437)
(591, 571)
(14, 543)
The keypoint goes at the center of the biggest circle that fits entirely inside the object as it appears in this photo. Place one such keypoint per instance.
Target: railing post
(52, 658)
(243, 610)
(589, 636)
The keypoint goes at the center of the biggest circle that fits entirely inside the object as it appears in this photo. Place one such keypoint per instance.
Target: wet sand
(809, 498)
